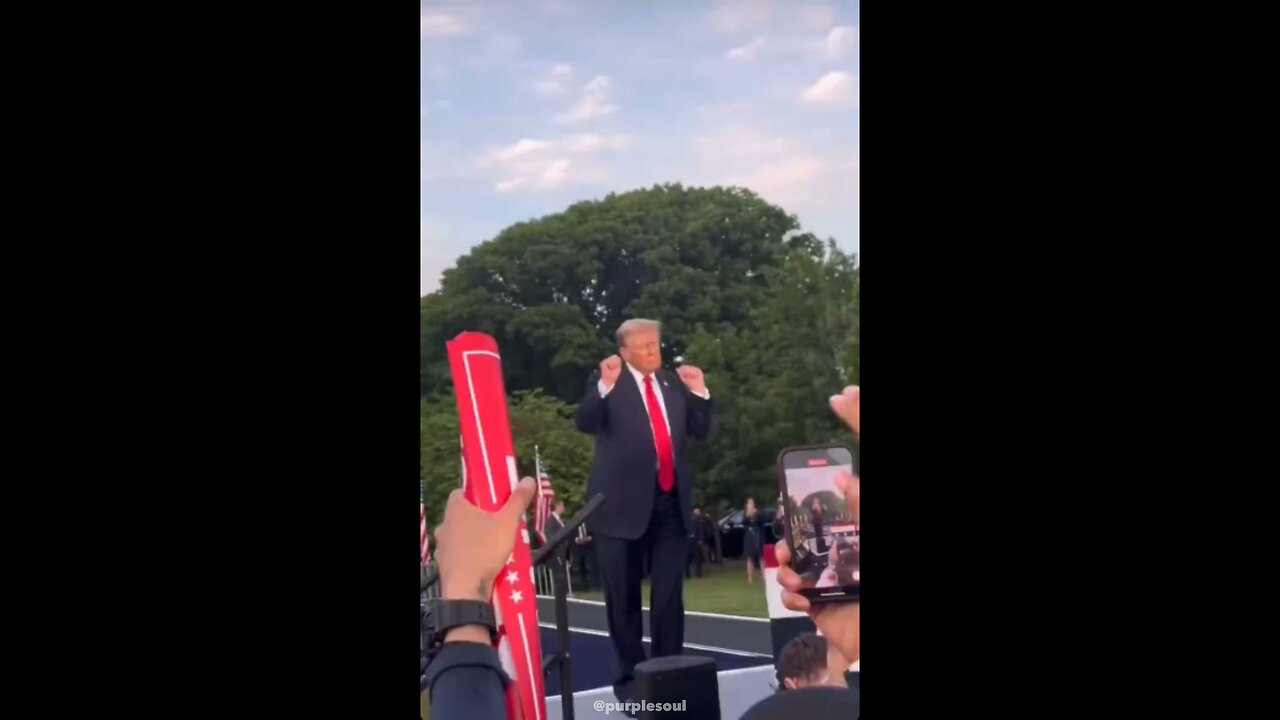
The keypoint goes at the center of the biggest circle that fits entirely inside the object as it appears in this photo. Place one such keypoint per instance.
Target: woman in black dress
(752, 538)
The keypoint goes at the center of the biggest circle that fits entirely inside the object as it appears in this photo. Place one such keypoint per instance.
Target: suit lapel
(632, 390)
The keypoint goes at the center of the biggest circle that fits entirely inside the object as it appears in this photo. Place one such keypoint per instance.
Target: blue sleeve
(466, 681)
(700, 419)
(592, 411)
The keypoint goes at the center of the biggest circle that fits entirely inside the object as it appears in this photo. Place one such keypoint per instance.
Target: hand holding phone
(822, 532)
(838, 622)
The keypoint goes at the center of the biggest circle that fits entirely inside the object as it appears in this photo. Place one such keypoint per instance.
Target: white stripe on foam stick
(475, 409)
(533, 681)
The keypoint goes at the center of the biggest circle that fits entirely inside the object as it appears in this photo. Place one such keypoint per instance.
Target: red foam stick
(488, 477)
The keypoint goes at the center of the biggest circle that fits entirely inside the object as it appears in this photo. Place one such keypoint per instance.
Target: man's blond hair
(636, 325)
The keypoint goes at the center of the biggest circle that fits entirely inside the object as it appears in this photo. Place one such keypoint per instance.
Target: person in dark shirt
(698, 543)
(584, 558)
(559, 564)
(752, 538)
(819, 526)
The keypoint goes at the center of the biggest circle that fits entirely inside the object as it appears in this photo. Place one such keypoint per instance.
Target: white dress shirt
(639, 376)
(662, 403)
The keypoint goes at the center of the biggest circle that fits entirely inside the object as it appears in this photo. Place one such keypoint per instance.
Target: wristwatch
(445, 615)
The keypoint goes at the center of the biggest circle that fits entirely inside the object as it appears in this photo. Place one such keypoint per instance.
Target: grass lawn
(721, 589)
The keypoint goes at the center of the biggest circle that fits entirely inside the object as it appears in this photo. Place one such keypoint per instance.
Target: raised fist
(610, 368)
(692, 378)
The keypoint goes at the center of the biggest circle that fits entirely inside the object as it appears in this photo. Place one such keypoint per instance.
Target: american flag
(546, 496)
(424, 544)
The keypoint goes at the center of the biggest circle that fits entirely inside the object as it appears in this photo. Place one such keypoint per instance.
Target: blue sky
(528, 106)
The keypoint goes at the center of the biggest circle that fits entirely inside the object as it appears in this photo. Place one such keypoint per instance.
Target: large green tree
(777, 371)
(552, 291)
(770, 313)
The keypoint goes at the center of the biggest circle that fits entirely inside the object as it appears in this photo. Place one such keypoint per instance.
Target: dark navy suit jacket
(625, 467)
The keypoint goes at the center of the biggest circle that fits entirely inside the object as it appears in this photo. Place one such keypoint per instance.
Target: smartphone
(821, 533)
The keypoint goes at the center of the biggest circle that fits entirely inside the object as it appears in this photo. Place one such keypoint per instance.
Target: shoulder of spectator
(455, 655)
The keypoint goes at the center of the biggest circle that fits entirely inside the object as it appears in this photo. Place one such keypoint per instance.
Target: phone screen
(820, 530)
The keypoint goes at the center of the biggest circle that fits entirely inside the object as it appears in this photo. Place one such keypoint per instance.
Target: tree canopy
(770, 313)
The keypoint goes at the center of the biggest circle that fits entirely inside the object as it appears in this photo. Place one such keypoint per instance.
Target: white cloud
(733, 17)
(547, 174)
(810, 174)
(818, 17)
(741, 143)
(788, 181)
(441, 25)
(555, 174)
(522, 148)
(555, 81)
(841, 42)
(544, 164)
(835, 89)
(592, 103)
(745, 52)
(509, 185)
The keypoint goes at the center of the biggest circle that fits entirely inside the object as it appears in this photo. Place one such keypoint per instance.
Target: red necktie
(661, 438)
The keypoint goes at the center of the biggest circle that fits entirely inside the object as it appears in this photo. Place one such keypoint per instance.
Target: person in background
(752, 538)
(803, 662)
(779, 517)
(705, 531)
(713, 538)
(819, 522)
(584, 558)
(560, 561)
(697, 543)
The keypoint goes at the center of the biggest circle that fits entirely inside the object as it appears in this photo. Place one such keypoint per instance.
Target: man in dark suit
(642, 417)
(697, 543)
(584, 554)
(559, 562)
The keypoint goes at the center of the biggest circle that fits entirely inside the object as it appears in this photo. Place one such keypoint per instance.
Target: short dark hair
(803, 658)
